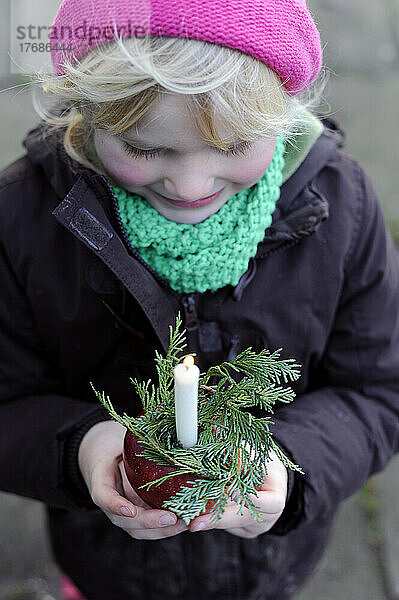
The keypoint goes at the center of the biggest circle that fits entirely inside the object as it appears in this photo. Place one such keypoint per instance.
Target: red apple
(140, 470)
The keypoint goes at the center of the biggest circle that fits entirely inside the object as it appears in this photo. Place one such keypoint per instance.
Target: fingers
(107, 489)
(99, 459)
(138, 529)
(269, 504)
(230, 519)
(149, 524)
(109, 500)
(140, 521)
(128, 491)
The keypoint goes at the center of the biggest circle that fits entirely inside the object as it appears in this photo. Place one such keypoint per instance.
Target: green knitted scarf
(211, 254)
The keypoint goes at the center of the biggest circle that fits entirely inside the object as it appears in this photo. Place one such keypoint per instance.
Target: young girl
(182, 170)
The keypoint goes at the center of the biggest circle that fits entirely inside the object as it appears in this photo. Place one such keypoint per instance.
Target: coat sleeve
(346, 427)
(37, 419)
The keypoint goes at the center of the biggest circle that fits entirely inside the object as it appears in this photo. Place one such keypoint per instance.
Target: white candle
(186, 401)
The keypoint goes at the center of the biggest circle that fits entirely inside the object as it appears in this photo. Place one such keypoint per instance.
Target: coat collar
(82, 214)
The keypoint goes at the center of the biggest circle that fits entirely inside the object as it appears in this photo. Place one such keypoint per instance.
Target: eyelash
(241, 148)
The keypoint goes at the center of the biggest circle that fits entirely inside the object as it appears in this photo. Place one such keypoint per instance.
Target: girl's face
(164, 159)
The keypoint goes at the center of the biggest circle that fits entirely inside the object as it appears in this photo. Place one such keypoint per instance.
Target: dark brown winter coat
(77, 304)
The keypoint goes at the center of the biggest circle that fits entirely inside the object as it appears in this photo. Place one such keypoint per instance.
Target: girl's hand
(271, 502)
(101, 464)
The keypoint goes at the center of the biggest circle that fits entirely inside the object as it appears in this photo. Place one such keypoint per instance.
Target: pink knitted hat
(280, 33)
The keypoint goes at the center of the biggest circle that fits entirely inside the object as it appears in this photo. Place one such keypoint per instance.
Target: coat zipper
(191, 322)
(189, 304)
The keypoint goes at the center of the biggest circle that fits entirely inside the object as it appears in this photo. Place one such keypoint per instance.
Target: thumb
(128, 490)
(107, 490)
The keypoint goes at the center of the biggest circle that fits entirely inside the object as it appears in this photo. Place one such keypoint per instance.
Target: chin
(190, 216)
(188, 220)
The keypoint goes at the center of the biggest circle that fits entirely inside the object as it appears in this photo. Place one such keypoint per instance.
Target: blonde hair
(114, 85)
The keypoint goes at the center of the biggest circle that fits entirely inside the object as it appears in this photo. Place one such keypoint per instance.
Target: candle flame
(188, 361)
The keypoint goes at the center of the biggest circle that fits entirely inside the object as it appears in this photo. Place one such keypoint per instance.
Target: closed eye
(241, 148)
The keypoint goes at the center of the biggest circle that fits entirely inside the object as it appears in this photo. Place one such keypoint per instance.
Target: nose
(191, 181)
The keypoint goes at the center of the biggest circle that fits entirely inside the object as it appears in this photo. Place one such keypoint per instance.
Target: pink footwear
(68, 589)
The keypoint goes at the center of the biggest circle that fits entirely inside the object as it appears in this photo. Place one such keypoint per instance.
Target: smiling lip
(196, 203)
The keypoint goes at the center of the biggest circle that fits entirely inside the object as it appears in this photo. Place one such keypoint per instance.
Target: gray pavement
(362, 559)
(386, 487)
(27, 569)
(356, 565)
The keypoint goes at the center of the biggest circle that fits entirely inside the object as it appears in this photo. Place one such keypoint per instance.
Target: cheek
(130, 172)
(249, 170)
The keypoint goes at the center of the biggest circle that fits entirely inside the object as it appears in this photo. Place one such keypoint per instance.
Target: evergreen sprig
(229, 460)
